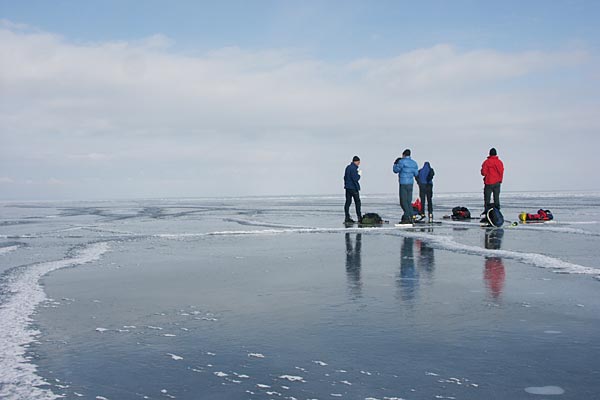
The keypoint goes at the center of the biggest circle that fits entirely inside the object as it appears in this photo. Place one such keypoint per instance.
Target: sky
(154, 99)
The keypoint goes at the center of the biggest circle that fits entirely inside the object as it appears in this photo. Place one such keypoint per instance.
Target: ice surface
(284, 277)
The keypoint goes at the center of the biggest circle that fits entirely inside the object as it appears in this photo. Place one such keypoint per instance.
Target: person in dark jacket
(407, 170)
(425, 181)
(351, 178)
(492, 171)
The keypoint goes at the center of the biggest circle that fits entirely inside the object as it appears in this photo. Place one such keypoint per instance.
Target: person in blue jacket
(351, 178)
(407, 169)
(425, 182)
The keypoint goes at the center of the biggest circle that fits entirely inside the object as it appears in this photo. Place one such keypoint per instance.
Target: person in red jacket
(492, 170)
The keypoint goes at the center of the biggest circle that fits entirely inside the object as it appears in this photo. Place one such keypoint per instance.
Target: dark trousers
(426, 193)
(352, 194)
(488, 190)
(406, 201)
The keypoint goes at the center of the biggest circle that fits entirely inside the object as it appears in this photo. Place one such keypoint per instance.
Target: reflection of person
(353, 264)
(425, 181)
(492, 171)
(407, 170)
(408, 280)
(493, 238)
(351, 178)
(494, 274)
(426, 259)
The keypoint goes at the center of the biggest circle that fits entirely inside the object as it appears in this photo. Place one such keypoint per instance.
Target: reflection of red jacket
(492, 170)
(494, 275)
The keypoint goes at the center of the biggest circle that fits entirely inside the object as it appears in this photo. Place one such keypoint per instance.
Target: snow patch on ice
(175, 356)
(18, 375)
(256, 355)
(545, 390)
(7, 249)
(292, 378)
(262, 224)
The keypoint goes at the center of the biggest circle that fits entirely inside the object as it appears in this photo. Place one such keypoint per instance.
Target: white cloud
(116, 108)
(443, 65)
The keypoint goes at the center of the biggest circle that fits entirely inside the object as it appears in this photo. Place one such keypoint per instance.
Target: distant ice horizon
(340, 195)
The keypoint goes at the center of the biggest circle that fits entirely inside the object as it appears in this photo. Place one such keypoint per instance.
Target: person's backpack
(417, 206)
(545, 215)
(371, 219)
(493, 217)
(460, 213)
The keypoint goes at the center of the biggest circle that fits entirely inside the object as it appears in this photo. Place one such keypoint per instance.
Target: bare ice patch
(545, 390)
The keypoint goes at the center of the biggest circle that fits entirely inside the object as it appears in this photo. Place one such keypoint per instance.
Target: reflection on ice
(353, 263)
(494, 273)
(425, 259)
(408, 278)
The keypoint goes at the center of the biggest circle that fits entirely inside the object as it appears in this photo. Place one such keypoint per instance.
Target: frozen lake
(272, 298)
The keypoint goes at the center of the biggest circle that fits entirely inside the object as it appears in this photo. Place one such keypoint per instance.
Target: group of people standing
(408, 171)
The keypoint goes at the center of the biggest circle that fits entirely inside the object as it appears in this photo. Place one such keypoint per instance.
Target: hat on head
(355, 158)
(406, 153)
(493, 152)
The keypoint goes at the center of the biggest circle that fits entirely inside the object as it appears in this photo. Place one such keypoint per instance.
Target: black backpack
(460, 213)
(371, 219)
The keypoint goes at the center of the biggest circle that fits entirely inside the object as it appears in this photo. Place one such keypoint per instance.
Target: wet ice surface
(272, 298)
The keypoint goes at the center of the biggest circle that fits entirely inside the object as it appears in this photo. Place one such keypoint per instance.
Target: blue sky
(329, 29)
(142, 99)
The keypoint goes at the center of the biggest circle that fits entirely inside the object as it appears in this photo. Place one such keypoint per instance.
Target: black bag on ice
(460, 213)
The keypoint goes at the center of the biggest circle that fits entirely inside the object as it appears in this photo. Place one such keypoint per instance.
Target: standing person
(425, 181)
(351, 178)
(407, 169)
(492, 171)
